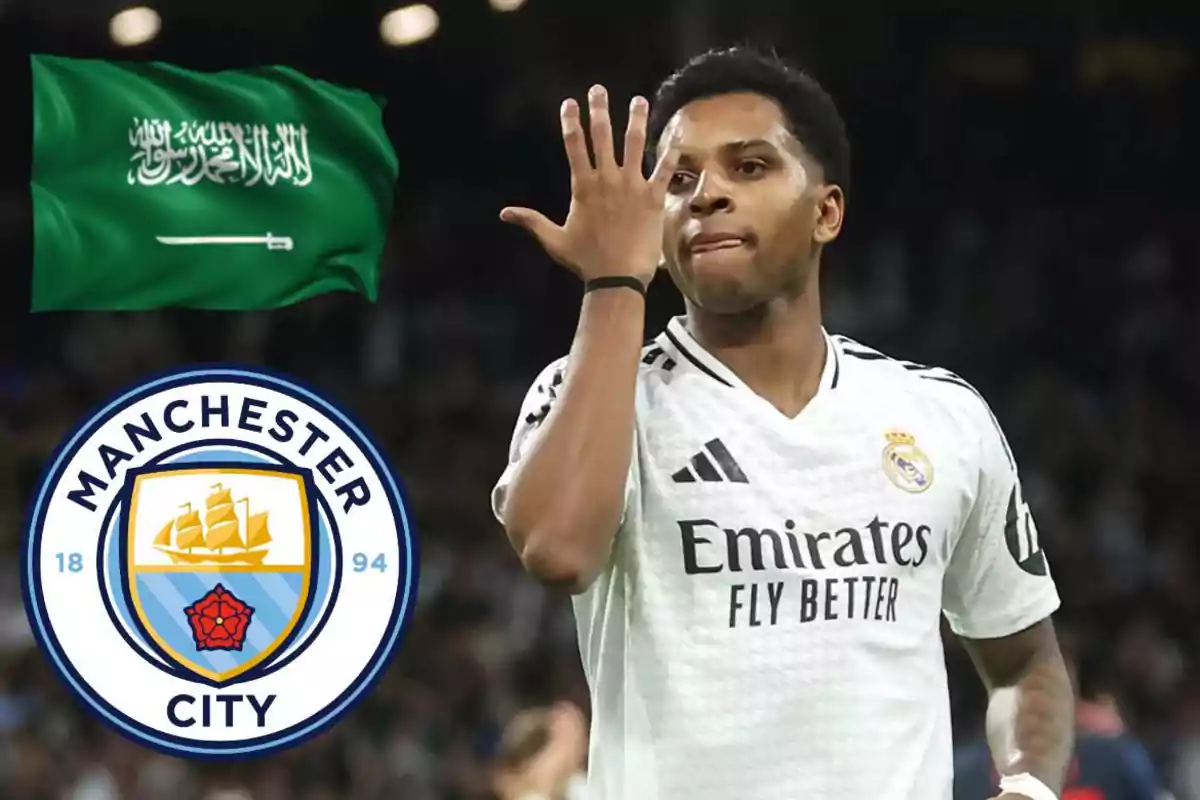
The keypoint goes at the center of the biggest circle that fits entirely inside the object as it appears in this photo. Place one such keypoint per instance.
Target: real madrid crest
(905, 464)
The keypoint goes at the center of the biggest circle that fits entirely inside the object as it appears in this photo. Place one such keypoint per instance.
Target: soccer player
(763, 523)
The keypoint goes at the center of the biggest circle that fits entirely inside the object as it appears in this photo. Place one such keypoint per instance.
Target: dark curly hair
(812, 117)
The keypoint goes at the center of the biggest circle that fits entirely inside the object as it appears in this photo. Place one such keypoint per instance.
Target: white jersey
(768, 625)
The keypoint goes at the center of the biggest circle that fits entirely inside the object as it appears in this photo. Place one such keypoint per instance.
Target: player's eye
(751, 167)
(680, 180)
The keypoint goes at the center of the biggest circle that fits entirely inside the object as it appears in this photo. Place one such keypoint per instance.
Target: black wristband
(613, 281)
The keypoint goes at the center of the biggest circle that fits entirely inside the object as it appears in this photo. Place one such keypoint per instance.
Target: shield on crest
(218, 563)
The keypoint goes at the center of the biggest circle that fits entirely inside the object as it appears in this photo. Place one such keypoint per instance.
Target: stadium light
(409, 25)
(134, 26)
(506, 5)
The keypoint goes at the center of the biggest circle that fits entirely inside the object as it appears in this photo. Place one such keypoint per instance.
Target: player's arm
(998, 597)
(565, 498)
(1030, 705)
(564, 502)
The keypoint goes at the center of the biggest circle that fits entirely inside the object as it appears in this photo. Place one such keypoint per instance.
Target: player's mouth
(712, 242)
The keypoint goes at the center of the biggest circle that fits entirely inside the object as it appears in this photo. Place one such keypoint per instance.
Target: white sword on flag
(272, 241)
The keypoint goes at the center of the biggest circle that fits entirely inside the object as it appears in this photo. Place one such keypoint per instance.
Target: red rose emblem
(219, 620)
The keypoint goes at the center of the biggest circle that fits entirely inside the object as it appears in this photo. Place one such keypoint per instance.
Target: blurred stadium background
(1024, 212)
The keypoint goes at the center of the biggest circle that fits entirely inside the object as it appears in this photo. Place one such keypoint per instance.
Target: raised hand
(614, 225)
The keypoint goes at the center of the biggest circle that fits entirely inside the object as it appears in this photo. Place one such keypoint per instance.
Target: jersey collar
(677, 334)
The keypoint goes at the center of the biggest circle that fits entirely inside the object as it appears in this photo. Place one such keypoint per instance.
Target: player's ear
(828, 212)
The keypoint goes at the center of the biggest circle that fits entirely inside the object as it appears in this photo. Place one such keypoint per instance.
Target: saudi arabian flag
(156, 186)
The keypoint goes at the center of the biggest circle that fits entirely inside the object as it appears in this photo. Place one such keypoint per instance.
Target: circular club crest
(905, 464)
(219, 563)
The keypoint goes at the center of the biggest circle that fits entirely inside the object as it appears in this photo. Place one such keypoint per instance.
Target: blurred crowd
(1030, 243)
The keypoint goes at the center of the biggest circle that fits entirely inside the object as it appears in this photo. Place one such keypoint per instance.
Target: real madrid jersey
(768, 624)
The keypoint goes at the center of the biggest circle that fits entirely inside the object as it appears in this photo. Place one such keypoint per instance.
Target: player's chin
(720, 281)
(723, 294)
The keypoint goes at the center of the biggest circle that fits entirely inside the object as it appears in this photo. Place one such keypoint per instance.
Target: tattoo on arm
(1031, 706)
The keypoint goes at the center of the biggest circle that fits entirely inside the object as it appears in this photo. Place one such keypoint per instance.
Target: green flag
(155, 186)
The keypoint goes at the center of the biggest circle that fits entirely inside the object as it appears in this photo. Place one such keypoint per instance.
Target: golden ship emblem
(221, 537)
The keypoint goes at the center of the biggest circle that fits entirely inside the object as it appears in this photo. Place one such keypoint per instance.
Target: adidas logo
(702, 467)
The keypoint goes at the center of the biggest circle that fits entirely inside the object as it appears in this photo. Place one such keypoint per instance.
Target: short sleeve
(535, 408)
(998, 581)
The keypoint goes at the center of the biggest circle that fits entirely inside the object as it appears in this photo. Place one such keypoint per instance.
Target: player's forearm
(1031, 705)
(565, 504)
(1037, 737)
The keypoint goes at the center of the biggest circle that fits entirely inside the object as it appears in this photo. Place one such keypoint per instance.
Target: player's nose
(710, 197)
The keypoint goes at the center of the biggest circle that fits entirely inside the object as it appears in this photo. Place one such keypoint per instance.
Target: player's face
(746, 209)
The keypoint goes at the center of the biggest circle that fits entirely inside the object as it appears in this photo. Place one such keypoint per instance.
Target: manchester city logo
(905, 464)
(219, 563)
